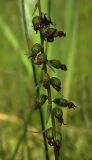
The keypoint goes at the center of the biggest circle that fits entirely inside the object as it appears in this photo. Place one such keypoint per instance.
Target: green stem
(42, 51)
(52, 119)
(48, 90)
(35, 80)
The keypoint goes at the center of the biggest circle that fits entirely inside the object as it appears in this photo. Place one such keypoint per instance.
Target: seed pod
(56, 83)
(49, 135)
(57, 141)
(41, 59)
(40, 101)
(35, 50)
(46, 80)
(57, 64)
(36, 23)
(61, 102)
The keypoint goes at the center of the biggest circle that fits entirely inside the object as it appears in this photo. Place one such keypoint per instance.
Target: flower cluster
(42, 24)
(54, 139)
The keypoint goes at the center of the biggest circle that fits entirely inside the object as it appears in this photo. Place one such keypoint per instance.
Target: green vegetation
(17, 91)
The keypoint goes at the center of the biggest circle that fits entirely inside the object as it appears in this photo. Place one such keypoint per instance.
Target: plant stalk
(48, 90)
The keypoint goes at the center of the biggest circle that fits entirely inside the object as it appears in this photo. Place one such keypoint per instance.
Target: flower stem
(48, 90)
(35, 79)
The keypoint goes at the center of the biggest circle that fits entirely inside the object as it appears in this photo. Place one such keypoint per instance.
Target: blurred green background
(17, 90)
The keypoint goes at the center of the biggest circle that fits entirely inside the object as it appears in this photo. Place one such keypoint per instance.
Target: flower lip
(71, 105)
(63, 67)
(61, 34)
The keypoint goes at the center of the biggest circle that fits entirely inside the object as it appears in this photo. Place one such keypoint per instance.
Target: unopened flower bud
(46, 80)
(49, 135)
(58, 114)
(41, 59)
(35, 50)
(40, 101)
(56, 83)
